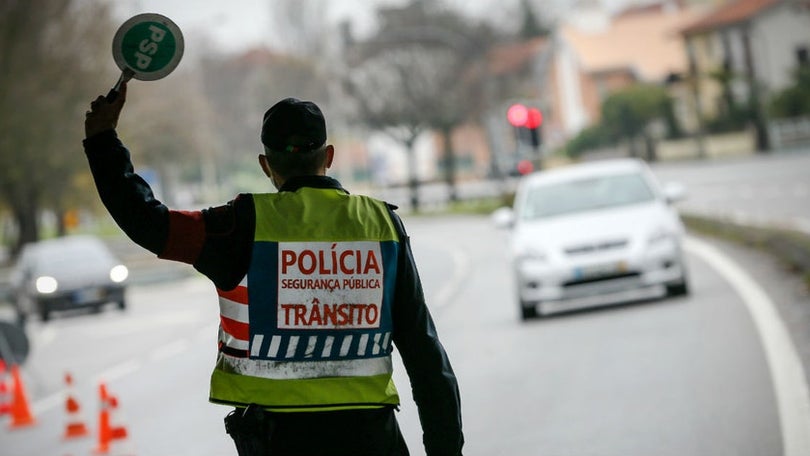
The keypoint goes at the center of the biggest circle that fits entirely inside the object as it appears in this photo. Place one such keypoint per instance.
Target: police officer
(315, 287)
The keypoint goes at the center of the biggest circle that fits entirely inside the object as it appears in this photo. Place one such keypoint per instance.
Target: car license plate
(599, 270)
(89, 295)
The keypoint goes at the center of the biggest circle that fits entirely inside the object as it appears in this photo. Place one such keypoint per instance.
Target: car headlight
(46, 284)
(119, 273)
(659, 237)
(528, 256)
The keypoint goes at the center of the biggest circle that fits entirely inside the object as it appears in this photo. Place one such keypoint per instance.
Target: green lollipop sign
(146, 47)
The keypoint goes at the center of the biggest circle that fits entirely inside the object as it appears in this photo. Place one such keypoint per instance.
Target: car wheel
(45, 313)
(22, 318)
(527, 310)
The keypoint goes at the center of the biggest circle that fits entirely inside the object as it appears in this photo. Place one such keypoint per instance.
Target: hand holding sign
(146, 47)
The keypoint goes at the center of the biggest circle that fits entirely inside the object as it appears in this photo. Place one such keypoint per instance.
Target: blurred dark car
(67, 273)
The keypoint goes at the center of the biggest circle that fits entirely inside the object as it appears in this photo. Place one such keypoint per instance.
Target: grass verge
(791, 248)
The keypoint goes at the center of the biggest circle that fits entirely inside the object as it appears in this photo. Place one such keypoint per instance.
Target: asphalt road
(685, 376)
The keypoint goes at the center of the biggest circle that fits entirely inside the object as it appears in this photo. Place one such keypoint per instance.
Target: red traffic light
(519, 115)
(525, 167)
(533, 118)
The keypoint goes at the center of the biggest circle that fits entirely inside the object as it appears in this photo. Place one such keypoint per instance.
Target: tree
(170, 126)
(299, 26)
(55, 54)
(241, 87)
(588, 139)
(399, 115)
(634, 113)
(531, 26)
(733, 115)
(794, 101)
(422, 71)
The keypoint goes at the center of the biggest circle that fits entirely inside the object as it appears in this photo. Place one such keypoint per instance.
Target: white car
(594, 234)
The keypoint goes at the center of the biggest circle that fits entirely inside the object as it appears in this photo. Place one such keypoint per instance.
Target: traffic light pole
(526, 122)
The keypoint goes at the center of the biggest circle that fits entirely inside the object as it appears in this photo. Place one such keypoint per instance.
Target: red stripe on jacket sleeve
(237, 329)
(186, 236)
(238, 294)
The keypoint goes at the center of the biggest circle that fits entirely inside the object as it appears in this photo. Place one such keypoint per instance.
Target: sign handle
(126, 75)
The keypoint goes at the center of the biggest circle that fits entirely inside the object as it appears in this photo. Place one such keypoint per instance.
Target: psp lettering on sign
(149, 47)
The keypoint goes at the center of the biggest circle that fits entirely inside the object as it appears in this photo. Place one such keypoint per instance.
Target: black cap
(293, 125)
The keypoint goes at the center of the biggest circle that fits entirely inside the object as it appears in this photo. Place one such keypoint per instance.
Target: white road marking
(118, 371)
(175, 348)
(787, 374)
(56, 399)
(461, 269)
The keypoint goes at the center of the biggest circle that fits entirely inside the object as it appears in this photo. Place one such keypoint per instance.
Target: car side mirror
(674, 192)
(503, 218)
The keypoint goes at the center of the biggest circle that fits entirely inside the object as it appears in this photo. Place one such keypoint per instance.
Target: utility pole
(694, 82)
(760, 122)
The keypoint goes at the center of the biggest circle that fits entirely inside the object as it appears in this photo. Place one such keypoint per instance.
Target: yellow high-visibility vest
(310, 325)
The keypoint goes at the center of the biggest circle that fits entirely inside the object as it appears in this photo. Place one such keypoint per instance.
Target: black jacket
(218, 243)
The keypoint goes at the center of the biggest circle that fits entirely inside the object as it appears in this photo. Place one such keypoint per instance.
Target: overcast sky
(237, 24)
(233, 24)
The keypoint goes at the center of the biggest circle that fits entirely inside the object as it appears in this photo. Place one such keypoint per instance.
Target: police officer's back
(315, 286)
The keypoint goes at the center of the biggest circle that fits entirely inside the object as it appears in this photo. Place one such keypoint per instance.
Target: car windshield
(53, 259)
(585, 194)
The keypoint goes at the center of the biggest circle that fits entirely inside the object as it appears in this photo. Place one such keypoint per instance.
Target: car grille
(603, 278)
(596, 247)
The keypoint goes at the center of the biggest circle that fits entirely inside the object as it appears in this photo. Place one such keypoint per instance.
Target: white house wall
(775, 37)
(574, 116)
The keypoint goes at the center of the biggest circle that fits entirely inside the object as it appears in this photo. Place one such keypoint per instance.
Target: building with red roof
(744, 51)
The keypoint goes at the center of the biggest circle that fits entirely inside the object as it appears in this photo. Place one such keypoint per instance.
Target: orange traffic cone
(5, 397)
(106, 431)
(75, 426)
(20, 411)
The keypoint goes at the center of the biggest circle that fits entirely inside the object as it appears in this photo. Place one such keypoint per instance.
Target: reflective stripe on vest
(310, 325)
